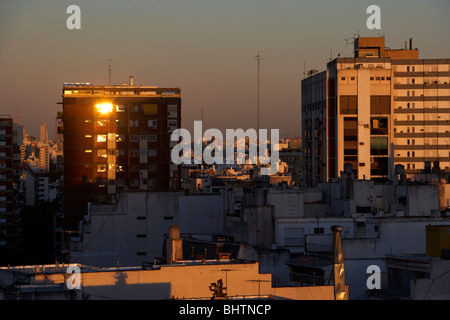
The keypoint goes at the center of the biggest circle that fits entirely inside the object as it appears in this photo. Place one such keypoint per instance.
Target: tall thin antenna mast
(109, 70)
(304, 69)
(258, 60)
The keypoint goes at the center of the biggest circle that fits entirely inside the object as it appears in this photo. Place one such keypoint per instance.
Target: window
(102, 153)
(120, 108)
(380, 104)
(101, 168)
(120, 138)
(172, 125)
(134, 138)
(378, 146)
(101, 123)
(318, 230)
(101, 138)
(150, 109)
(152, 153)
(134, 153)
(172, 111)
(348, 105)
(342, 78)
(134, 123)
(152, 138)
(143, 137)
(135, 108)
(152, 124)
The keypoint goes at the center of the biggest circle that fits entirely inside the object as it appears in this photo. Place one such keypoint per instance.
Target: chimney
(175, 245)
(131, 82)
(340, 289)
(410, 43)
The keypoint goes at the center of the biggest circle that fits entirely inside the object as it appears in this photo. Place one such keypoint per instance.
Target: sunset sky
(205, 47)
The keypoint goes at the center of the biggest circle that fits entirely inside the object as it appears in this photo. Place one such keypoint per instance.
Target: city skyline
(207, 49)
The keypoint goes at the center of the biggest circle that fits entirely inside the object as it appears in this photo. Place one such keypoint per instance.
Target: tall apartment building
(43, 133)
(9, 162)
(44, 157)
(116, 137)
(377, 109)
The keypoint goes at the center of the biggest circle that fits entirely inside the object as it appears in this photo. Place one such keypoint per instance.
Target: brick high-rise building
(116, 137)
(377, 109)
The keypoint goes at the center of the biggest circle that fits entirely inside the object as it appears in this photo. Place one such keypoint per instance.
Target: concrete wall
(291, 228)
(132, 232)
(437, 287)
(422, 199)
(397, 236)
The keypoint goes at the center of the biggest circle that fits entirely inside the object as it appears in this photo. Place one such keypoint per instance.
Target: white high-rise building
(378, 109)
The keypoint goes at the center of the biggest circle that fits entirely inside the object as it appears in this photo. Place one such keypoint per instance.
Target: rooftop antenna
(109, 70)
(304, 69)
(258, 61)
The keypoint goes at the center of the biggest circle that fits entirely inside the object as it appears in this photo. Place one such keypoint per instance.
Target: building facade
(375, 110)
(9, 166)
(116, 137)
